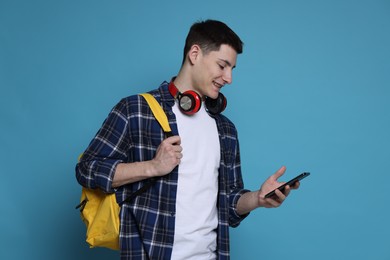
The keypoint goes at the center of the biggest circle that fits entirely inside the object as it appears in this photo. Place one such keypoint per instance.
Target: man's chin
(214, 94)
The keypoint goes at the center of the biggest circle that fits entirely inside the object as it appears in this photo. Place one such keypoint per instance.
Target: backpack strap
(162, 119)
(158, 113)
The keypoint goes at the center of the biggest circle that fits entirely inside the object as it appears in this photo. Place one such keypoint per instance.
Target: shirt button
(173, 214)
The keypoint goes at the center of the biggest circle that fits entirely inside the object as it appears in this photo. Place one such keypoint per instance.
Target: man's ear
(193, 53)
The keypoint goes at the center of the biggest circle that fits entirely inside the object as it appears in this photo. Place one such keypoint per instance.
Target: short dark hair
(210, 35)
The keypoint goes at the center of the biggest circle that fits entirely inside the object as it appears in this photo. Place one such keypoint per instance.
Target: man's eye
(221, 66)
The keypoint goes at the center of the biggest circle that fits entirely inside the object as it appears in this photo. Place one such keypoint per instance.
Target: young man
(198, 191)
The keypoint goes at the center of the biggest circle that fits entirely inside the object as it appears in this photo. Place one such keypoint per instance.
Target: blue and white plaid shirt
(132, 134)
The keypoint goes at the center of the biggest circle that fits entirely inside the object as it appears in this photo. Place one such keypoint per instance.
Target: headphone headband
(173, 89)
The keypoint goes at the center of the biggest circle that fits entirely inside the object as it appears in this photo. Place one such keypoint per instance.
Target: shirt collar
(166, 96)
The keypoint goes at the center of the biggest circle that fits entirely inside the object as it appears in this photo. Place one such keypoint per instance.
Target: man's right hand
(168, 156)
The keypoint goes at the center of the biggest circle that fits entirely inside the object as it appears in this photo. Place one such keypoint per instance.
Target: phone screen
(290, 182)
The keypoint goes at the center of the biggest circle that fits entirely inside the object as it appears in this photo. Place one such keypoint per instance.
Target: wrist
(151, 169)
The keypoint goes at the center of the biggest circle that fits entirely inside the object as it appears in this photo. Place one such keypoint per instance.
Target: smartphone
(290, 183)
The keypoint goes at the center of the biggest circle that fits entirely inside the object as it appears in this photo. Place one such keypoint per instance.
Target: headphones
(190, 102)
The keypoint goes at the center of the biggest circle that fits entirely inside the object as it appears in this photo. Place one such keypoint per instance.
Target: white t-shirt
(196, 201)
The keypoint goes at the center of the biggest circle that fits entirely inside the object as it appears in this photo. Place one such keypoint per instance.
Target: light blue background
(311, 91)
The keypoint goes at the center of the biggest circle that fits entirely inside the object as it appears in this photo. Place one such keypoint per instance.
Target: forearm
(255, 199)
(247, 202)
(167, 158)
(126, 173)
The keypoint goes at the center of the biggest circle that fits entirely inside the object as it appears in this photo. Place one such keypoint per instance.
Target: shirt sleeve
(230, 169)
(96, 167)
(236, 187)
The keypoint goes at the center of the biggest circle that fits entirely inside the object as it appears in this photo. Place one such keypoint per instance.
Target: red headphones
(190, 102)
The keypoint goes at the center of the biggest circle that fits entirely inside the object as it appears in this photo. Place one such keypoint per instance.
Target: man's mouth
(217, 84)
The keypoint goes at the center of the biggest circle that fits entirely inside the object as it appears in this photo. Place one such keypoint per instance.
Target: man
(198, 191)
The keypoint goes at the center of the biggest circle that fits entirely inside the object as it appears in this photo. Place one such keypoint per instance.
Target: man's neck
(183, 80)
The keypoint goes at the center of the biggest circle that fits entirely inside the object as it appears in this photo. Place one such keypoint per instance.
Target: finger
(279, 172)
(296, 185)
(174, 140)
(177, 148)
(281, 197)
(272, 202)
(179, 155)
(287, 190)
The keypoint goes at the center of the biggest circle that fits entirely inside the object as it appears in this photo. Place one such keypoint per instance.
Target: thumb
(174, 140)
(279, 172)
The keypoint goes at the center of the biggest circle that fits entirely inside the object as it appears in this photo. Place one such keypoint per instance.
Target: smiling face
(212, 70)
(209, 57)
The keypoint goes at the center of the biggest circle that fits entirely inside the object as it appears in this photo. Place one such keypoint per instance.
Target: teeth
(217, 85)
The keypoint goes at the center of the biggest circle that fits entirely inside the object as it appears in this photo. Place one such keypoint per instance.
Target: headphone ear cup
(190, 102)
(216, 106)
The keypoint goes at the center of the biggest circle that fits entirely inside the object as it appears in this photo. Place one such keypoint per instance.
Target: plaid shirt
(131, 134)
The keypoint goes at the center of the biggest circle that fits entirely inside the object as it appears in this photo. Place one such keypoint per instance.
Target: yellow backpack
(100, 211)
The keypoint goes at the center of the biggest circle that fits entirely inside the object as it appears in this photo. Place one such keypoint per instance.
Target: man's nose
(227, 76)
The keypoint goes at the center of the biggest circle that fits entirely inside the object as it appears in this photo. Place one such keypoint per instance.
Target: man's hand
(168, 155)
(252, 200)
(269, 185)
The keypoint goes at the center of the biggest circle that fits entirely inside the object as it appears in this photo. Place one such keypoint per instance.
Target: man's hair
(210, 35)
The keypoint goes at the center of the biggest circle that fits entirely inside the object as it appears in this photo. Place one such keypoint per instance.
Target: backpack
(100, 211)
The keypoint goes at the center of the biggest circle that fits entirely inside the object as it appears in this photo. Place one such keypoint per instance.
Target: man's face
(213, 70)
